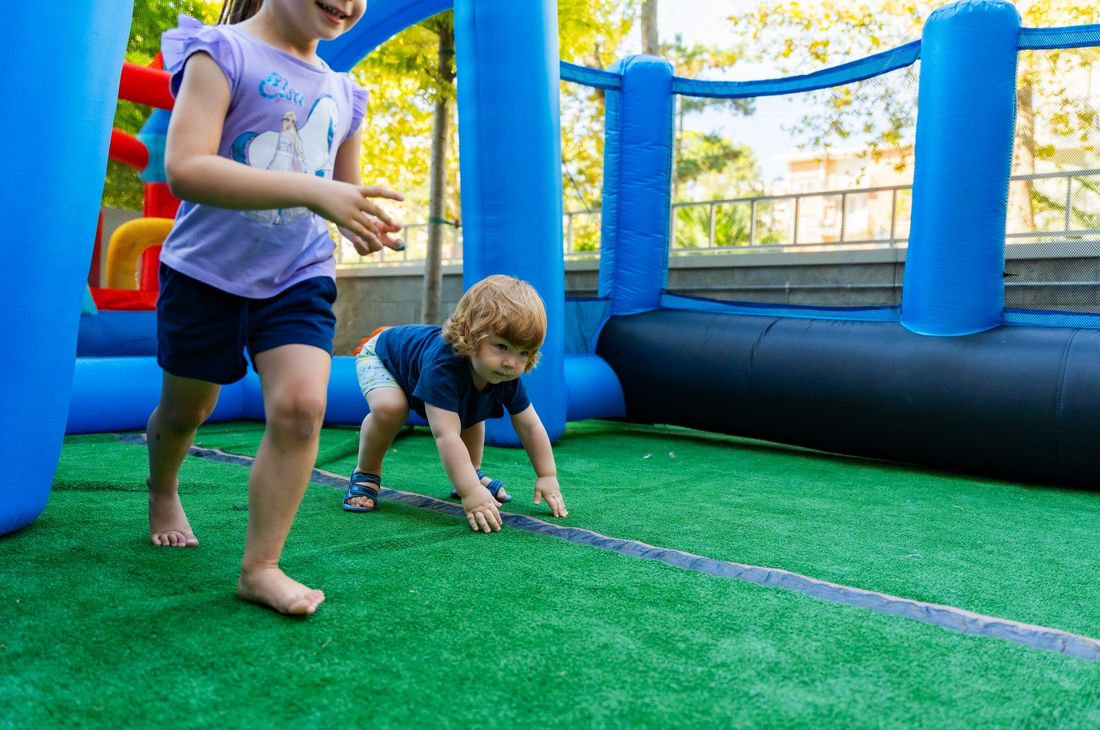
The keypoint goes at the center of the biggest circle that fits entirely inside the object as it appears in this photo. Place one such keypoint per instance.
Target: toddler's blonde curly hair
(498, 305)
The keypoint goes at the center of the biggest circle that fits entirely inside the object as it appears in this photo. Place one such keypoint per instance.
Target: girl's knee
(298, 415)
(184, 417)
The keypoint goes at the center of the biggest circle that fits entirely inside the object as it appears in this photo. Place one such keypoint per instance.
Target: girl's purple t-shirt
(284, 114)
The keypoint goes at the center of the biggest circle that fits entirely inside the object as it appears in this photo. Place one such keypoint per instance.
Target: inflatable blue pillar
(62, 82)
(637, 186)
(510, 160)
(954, 269)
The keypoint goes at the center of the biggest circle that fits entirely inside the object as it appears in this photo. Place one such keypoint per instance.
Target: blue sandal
(360, 486)
(493, 486)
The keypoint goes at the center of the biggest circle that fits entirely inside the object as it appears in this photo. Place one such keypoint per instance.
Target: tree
(694, 62)
(123, 188)
(433, 265)
(803, 37)
(650, 36)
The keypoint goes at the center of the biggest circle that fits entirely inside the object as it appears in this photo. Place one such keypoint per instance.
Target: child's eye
(501, 346)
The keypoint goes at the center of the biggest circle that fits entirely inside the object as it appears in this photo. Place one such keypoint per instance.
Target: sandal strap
(494, 486)
(361, 485)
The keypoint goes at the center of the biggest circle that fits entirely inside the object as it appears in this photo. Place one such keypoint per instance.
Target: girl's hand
(547, 488)
(359, 218)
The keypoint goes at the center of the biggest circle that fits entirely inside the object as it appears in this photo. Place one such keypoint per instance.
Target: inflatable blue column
(510, 160)
(637, 186)
(62, 82)
(954, 269)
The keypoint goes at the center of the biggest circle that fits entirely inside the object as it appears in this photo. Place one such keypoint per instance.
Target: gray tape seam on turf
(947, 617)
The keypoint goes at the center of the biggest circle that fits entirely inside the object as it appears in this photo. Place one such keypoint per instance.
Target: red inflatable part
(125, 299)
(159, 201)
(144, 85)
(149, 273)
(128, 150)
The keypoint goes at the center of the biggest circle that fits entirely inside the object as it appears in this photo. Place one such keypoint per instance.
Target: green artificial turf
(427, 624)
(1014, 551)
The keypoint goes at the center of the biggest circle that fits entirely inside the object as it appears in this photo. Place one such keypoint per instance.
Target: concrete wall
(1046, 276)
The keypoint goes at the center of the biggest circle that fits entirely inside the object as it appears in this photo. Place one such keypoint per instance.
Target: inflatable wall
(63, 84)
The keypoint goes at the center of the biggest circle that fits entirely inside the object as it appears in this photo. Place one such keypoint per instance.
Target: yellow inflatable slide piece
(127, 244)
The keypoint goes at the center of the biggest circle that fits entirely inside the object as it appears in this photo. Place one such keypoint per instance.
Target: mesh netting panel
(1053, 225)
(582, 145)
(823, 178)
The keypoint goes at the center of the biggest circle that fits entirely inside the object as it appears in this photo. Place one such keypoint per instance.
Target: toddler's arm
(481, 509)
(532, 434)
(197, 173)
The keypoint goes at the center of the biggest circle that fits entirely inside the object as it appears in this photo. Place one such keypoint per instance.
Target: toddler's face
(497, 360)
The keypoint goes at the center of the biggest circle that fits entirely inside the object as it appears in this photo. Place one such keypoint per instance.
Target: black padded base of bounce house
(1021, 403)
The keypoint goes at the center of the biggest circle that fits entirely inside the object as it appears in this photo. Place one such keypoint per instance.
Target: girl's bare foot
(168, 525)
(274, 589)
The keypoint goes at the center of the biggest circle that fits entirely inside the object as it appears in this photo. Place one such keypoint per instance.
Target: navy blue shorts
(202, 331)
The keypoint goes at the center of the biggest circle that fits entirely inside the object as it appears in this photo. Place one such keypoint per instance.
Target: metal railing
(780, 220)
(415, 236)
(791, 221)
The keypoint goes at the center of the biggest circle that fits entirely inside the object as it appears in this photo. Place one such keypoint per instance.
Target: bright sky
(699, 21)
(704, 22)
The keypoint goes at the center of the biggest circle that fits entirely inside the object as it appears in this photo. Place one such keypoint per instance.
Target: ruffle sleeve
(359, 98)
(190, 36)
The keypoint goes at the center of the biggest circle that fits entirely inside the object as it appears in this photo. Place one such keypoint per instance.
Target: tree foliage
(879, 114)
(123, 188)
(405, 81)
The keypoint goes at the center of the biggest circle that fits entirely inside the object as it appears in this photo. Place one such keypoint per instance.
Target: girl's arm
(480, 507)
(348, 168)
(532, 434)
(197, 173)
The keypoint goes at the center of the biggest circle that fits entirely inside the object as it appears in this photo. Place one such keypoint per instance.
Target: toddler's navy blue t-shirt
(428, 370)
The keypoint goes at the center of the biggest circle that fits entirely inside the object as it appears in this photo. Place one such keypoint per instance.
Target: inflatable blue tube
(510, 145)
(954, 282)
(61, 83)
(107, 333)
(383, 19)
(637, 186)
(1017, 403)
(119, 393)
(593, 387)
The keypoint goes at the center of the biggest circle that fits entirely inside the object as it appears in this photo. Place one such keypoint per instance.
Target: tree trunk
(650, 43)
(1021, 203)
(437, 203)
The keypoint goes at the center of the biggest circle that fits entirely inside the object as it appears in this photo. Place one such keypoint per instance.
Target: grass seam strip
(947, 617)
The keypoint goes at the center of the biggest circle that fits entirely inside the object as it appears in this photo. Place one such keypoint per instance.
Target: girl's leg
(294, 380)
(184, 405)
(389, 410)
(474, 438)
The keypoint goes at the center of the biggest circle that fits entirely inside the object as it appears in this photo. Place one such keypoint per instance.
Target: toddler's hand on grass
(547, 488)
(481, 512)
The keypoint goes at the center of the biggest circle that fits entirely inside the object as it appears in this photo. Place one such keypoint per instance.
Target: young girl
(456, 377)
(233, 280)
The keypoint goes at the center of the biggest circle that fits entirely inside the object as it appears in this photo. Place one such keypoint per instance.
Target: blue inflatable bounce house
(949, 379)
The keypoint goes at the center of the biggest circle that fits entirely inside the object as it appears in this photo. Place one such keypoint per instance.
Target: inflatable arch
(948, 379)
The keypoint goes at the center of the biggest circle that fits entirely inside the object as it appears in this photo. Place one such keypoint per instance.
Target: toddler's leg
(389, 410)
(474, 438)
(184, 405)
(294, 380)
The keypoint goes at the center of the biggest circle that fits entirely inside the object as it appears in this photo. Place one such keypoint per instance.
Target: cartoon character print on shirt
(306, 149)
